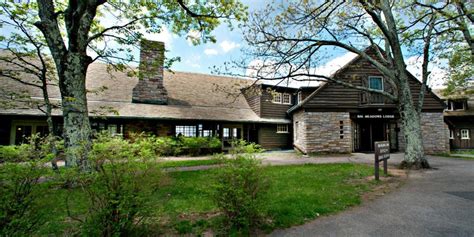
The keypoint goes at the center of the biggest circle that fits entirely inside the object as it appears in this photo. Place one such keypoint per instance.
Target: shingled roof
(190, 96)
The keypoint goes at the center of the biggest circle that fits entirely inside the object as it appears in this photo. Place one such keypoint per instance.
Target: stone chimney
(150, 89)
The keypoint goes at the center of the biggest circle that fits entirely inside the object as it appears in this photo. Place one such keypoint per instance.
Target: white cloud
(437, 76)
(334, 64)
(227, 46)
(193, 61)
(164, 36)
(211, 52)
(193, 37)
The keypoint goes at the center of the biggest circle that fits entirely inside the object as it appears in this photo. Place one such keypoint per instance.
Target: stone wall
(329, 132)
(299, 131)
(434, 131)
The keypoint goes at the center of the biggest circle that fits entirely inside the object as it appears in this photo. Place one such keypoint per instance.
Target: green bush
(167, 146)
(240, 191)
(20, 190)
(118, 191)
(242, 146)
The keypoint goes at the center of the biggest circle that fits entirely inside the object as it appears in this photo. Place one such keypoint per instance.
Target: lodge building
(326, 118)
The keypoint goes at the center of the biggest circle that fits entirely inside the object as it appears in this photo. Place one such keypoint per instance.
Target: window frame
(467, 137)
(451, 134)
(299, 97)
(276, 95)
(283, 98)
(282, 128)
(375, 77)
(186, 130)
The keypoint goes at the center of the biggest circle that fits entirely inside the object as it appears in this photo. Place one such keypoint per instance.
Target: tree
(25, 55)
(455, 19)
(72, 30)
(291, 38)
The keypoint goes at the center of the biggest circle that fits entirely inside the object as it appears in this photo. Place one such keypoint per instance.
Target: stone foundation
(434, 131)
(326, 132)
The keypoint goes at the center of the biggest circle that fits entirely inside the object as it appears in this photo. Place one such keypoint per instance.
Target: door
(370, 132)
(230, 132)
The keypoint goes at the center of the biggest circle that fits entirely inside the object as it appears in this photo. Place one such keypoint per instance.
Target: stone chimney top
(150, 89)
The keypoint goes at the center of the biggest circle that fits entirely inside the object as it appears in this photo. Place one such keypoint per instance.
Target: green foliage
(176, 146)
(240, 192)
(20, 188)
(461, 70)
(242, 146)
(118, 191)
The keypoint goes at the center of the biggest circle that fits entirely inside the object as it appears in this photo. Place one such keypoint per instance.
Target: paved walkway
(437, 202)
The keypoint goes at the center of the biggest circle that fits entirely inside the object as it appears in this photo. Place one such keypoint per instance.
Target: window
(286, 98)
(451, 134)
(226, 133)
(376, 83)
(281, 98)
(187, 131)
(456, 105)
(464, 133)
(300, 97)
(276, 97)
(282, 128)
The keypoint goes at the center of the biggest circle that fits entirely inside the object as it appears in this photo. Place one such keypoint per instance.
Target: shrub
(241, 146)
(126, 175)
(240, 191)
(20, 189)
(167, 146)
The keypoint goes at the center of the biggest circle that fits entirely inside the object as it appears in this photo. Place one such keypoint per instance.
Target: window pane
(276, 97)
(286, 98)
(226, 133)
(375, 83)
(187, 131)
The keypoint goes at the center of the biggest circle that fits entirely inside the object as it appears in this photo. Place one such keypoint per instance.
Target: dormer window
(376, 83)
(281, 98)
(456, 105)
(276, 98)
(286, 99)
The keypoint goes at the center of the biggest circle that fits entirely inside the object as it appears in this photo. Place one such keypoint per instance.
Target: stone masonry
(434, 131)
(329, 132)
(150, 89)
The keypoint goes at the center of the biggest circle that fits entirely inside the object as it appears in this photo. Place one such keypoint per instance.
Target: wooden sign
(382, 153)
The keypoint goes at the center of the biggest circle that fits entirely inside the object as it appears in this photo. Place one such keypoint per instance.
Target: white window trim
(277, 95)
(381, 78)
(33, 123)
(450, 102)
(289, 100)
(451, 134)
(279, 130)
(467, 133)
(299, 97)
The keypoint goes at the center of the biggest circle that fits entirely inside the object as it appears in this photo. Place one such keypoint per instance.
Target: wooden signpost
(382, 153)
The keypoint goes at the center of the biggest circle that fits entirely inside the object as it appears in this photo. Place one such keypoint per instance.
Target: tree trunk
(77, 130)
(411, 125)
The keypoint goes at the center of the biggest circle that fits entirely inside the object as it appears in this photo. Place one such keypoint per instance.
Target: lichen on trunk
(411, 124)
(77, 130)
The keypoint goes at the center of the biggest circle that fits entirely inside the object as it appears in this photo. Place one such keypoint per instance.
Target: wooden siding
(456, 124)
(253, 99)
(336, 96)
(273, 110)
(268, 138)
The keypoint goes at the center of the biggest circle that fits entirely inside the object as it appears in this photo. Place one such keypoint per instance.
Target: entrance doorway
(230, 133)
(366, 132)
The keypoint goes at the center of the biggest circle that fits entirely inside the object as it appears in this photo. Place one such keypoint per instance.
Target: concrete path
(438, 202)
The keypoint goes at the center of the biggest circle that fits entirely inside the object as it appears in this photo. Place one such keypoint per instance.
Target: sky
(204, 57)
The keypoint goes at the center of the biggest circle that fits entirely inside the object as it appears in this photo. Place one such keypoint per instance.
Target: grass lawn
(186, 163)
(297, 194)
(460, 154)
